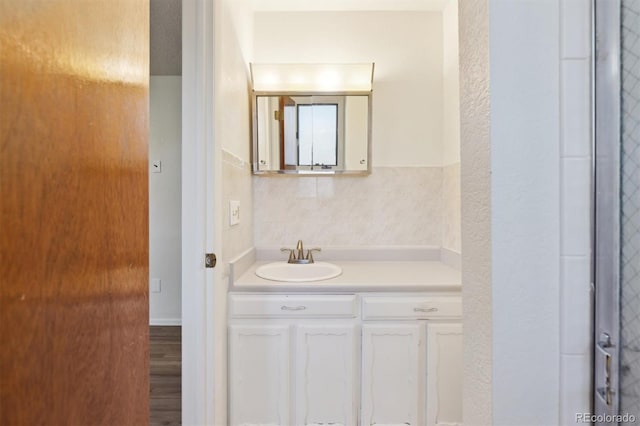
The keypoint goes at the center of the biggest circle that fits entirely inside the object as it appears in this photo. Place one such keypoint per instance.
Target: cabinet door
(393, 374)
(325, 375)
(444, 374)
(259, 375)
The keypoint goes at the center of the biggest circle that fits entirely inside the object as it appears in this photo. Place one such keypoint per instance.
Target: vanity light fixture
(312, 78)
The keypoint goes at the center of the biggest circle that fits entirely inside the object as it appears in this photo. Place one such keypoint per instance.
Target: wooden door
(260, 373)
(393, 374)
(325, 375)
(74, 212)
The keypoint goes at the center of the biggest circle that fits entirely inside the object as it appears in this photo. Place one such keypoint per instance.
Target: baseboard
(165, 321)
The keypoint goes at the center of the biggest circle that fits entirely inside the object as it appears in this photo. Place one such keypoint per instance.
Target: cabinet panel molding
(259, 370)
(393, 374)
(292, 306)
(326, 375)
(444, 363)
(411, 307)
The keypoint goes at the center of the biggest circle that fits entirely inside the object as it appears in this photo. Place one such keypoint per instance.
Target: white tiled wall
(575, 239)
(392, 206)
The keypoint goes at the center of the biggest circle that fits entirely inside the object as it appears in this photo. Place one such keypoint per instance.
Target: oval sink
(291, 272)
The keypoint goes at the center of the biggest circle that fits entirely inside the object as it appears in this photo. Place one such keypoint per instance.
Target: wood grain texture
(74, 212)
(165, 349)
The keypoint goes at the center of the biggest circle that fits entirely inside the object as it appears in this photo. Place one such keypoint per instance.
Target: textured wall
(476, 212)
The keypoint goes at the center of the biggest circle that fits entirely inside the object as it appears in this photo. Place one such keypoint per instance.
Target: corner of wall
(476, 212)
(233, 175)
(237, 185)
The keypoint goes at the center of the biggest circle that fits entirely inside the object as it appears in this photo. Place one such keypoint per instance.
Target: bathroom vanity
(381, 344)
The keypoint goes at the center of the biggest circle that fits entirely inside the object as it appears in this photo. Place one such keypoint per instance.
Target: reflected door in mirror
(305, 134)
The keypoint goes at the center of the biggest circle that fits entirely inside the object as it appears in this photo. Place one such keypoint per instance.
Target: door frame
(606, 271)
(198, 225)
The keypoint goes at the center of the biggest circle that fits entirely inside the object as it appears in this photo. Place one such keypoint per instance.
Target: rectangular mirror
(311, 134)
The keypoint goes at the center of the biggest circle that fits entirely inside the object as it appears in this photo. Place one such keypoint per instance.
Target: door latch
(606, 392)
(210, 260)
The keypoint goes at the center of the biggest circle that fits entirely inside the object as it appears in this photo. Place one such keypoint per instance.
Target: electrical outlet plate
(234, 212)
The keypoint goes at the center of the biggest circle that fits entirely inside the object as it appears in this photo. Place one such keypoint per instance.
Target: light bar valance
(316, 78)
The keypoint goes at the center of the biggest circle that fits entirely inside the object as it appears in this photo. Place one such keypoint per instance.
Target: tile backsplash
(392, 206)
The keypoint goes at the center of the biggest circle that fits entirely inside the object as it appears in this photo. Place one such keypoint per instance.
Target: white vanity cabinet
(356, 359)
(292, 360)
(412, 360)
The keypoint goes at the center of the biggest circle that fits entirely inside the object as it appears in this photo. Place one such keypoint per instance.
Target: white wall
(451, 223)
(165, 135)
(233, 26)
(451, 85)
(408, 83)
(525, 190)
(232, 106)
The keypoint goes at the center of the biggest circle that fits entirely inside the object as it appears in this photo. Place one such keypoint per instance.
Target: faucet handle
(310, 254)
(292, 256)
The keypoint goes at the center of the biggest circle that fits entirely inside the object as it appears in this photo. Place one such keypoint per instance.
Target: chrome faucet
(300, 250)
(300, 258)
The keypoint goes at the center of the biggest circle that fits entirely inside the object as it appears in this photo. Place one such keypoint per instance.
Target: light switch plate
(156, 166)
(234, 212)
(155, 285)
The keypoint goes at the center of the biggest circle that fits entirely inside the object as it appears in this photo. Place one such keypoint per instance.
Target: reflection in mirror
(311, 134)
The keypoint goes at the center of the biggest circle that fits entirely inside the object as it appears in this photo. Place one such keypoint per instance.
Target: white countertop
(357, 276)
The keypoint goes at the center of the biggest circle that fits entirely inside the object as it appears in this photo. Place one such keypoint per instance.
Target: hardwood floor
(165, 384)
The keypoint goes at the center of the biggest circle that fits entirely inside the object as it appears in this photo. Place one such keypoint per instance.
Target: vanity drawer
(408, 307)
(293, 306)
